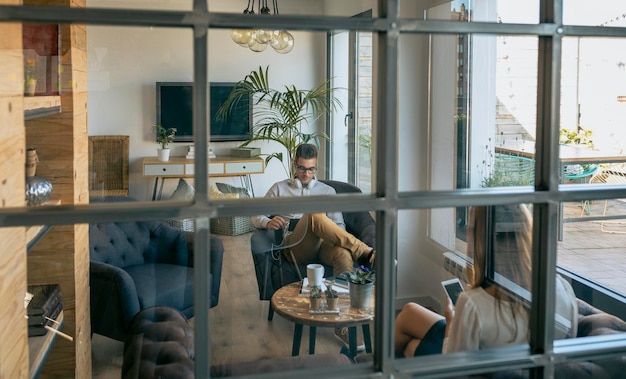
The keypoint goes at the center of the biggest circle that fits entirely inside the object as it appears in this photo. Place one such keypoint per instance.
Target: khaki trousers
(317, 236)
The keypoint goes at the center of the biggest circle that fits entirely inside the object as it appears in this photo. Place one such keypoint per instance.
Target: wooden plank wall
(13, 335)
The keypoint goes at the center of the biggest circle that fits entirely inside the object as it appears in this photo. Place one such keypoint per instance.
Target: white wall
(124, 63)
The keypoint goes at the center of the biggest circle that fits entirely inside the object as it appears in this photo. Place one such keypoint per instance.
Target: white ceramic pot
(164, 154)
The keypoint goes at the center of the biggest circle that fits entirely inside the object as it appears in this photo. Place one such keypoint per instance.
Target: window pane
(592, 106)
(495, 270)
(488, 11)
(607, 13)
(593, 249)
(486, 115)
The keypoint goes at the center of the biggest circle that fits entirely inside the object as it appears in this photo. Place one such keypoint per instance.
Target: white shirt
(288, 188)
(480, 324)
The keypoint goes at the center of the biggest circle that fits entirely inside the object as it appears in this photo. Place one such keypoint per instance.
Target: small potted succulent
(361, 284)
(164, 136)
(332, 297)
(315, 297)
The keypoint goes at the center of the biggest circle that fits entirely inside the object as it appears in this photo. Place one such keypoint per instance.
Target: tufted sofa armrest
(160, 345)
(594, 322)
(114, 299)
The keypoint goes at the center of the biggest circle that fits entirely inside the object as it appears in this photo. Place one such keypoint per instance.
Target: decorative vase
(164, 154)
(30, 87)
(38, 190)
(360, 294)
(315, 303)
(331, 302)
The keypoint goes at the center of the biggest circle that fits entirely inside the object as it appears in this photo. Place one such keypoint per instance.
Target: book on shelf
(37, 323)
(43, 307)
(191, 153)
(45, 298)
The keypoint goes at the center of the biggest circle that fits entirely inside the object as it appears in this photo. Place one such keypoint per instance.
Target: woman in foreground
(485, 316)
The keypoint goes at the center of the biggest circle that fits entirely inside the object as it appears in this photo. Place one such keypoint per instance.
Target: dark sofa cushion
(176, 291)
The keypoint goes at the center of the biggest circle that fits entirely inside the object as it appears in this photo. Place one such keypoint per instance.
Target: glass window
(454, 111)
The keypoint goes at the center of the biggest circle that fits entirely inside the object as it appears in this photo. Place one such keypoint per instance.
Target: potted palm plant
(164, 136)
(281, 115)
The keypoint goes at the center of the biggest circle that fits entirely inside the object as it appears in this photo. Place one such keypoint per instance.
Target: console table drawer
(244, 167)
(163, 169)
(214, 169)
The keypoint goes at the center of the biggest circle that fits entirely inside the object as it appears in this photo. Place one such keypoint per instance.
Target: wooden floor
(239, 327)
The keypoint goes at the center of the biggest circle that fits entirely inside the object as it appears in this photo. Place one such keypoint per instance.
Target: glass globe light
(255, 46)
(246, 36)
(285, 43)
(263, 36)
(235, 35)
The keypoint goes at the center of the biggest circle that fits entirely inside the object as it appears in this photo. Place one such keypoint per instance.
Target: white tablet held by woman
(453, 288)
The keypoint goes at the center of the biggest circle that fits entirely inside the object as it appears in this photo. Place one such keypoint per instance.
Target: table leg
(161, 189)
(312, 333)
(352, 340)
(156, 185)
(367, 338)
(297, 338)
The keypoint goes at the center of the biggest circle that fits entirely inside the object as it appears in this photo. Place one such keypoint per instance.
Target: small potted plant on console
(164, 136)
(315, 297)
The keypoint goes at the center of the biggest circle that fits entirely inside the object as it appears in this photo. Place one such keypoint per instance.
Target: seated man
(316, 235)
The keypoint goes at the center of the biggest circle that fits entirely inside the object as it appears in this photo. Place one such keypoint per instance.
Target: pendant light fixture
(258, 39)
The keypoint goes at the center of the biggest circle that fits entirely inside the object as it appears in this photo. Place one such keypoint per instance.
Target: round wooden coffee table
(288, 303)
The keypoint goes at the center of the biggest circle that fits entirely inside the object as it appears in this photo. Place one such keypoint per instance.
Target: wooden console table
(221, 166)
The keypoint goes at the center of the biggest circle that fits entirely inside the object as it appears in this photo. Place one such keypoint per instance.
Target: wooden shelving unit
(57, 127)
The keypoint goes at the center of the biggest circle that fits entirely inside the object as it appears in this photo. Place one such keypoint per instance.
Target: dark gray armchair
(137, 265)
(273, 271)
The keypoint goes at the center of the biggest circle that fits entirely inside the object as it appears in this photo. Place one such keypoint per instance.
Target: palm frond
(280, 115)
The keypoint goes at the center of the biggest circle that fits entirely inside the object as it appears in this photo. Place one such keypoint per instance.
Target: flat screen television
(174, 110)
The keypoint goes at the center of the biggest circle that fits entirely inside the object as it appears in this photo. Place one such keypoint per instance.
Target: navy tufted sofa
(137, 265)
(271, 270)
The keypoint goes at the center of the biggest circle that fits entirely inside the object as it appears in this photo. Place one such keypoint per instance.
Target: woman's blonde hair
(509, 229)
(512, 242)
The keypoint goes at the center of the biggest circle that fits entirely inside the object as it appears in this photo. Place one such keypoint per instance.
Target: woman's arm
(463, 328)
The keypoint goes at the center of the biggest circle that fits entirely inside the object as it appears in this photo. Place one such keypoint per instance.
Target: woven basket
(184, 224)
(231, 226)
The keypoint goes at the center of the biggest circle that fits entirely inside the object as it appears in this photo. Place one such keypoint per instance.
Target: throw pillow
(227, 188)
(217, 194)
(183, 192)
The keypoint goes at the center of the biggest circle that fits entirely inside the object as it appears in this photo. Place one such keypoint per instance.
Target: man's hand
(276, 223)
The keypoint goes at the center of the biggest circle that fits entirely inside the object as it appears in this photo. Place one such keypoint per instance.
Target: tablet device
(292, 224)
(453, 288)
(279, 234)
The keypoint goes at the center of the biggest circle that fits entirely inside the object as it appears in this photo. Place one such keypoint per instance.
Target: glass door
(350, 129)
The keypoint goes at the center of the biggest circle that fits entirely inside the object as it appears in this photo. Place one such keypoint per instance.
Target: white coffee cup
(315, 274)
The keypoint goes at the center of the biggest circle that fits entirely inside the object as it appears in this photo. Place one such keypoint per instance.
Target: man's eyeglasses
(312, 170)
